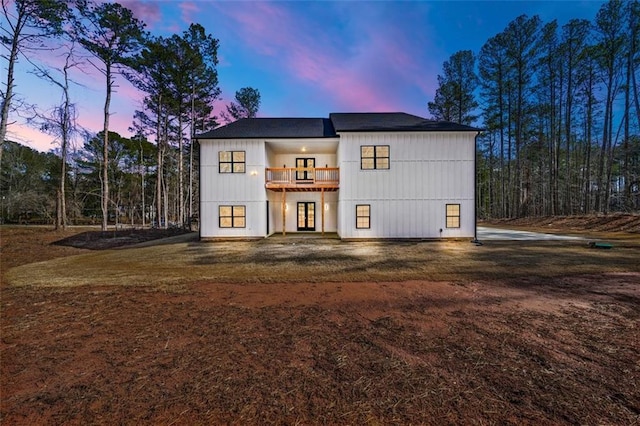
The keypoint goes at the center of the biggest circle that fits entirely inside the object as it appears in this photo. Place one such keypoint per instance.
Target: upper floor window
(453, 215)
(374, 157)
(231, 161)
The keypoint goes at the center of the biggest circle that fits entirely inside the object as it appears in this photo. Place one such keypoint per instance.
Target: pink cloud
(31, 137)
(174, 28)
(259, 23)
(189, 11)
(146, 11)
(373, 73)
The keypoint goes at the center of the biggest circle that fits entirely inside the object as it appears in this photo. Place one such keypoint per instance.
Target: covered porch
(303, 208)
(303, 198)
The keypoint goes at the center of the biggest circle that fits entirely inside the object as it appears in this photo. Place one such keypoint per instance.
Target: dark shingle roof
(273, 128)
(391, 122)
(327, 128)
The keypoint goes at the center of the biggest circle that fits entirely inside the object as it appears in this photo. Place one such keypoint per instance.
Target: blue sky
(306, 58)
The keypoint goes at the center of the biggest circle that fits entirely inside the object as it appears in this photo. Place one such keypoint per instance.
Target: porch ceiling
(301, 146)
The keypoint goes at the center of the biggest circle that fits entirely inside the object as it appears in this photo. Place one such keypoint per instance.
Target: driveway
(494, 234)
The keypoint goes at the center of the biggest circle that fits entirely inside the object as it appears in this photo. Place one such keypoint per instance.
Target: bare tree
(61, 123)
(111, 34)
(28, 23)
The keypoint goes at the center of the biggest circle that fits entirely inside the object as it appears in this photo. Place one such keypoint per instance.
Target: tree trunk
(66, 131)
(517, 187)
(181, 208)
(8, 97)
(192, 139)
(142, 185)
(163, 180)
(588, 131)
(160, 165)
(63, 191)
(105, 152)
(509, 209)
(636, 95)
(58, 221)
(626, 171)
(603, 155)
(165, 199)
(491, 208)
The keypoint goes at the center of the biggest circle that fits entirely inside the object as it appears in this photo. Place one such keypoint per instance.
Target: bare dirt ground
(527, 348)
(614, 224)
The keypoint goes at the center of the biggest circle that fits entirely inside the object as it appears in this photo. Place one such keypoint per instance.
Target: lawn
(299, 331)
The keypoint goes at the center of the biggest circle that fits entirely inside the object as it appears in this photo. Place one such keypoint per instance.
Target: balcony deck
(302, 179)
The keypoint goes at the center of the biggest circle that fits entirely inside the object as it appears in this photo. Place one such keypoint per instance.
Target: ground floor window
(363, 216)
(232, 216)
(453, 215)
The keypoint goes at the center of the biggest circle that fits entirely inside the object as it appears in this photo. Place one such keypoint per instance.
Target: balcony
(303, 179)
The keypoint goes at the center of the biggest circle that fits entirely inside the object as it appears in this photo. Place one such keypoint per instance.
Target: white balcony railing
(303, 176)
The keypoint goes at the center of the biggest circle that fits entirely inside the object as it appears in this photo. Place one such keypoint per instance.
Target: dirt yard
(488, 345)
(615, 223)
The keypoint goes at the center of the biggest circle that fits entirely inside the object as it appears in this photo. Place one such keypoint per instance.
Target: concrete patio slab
(495, 234)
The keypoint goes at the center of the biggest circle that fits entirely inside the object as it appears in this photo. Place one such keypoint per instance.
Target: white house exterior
(360, 175)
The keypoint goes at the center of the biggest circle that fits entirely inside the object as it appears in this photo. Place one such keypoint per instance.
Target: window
(374, 157)
(304, 168)
(232, 216)
(363, 216)
(231, 161)
(453, 215)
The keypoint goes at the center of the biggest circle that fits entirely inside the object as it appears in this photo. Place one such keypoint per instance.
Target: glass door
(306, 216)
(303, 168)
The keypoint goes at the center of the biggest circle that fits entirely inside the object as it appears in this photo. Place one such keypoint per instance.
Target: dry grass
(299, 260)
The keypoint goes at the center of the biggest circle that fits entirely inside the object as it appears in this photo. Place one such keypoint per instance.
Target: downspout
(199, 187)
(475, 190)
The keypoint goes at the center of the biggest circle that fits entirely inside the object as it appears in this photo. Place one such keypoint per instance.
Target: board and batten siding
(427, 171)
(246, 189)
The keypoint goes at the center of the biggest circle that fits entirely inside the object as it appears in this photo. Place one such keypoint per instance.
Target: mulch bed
(103, 240)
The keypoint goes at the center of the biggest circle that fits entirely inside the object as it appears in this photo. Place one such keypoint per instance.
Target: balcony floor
(279, 187)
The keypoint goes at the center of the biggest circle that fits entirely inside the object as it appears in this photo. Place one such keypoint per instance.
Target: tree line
(133, 179)
(559, 107)
(30, 182)
(560, 111)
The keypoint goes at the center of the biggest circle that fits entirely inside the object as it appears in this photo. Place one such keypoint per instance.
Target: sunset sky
(307, 59)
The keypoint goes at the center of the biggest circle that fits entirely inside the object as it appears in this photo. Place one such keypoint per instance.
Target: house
(360, 175)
